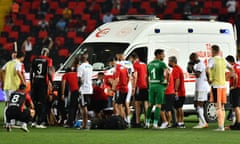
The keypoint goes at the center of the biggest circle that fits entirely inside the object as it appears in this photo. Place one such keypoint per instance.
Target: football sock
(156, 115)
(201, 115)
(148, 115)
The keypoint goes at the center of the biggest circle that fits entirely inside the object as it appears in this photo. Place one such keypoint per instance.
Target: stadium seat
(36, 5)
(72, 5)
(60, 39)
(18, 22)
(217, 4)
(49, 16)
(132, 11)
(59, 11)
(8, 47)
(53, 5)
(208, 4)
(78, 40)
(25, 5)
(14, 35)
(63, 52)
(25, 28)
(42, 34)
(115, 11)
(86, 17)
(71, 34)
(30, 17)
(3, 41)
(7, 28)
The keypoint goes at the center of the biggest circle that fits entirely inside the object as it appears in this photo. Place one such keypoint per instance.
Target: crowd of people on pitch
(134, 88)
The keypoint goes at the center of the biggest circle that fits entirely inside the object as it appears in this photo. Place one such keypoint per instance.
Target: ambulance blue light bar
(224, 31)
(157, 30)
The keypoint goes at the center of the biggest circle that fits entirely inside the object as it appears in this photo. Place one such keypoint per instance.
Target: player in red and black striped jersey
(16, 108)
(41, 77)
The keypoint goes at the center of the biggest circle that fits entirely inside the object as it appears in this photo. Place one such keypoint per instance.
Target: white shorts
(129, 94)
(201, 96)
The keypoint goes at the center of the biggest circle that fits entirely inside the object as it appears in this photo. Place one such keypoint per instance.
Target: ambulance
(144, 34)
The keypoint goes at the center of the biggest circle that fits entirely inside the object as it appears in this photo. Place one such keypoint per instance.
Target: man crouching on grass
(16, 109)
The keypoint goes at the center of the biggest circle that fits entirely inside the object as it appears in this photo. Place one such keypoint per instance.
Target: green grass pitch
(60, 135)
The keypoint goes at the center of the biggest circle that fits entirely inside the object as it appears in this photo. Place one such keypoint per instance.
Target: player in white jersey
(198, 68)
(84, 73)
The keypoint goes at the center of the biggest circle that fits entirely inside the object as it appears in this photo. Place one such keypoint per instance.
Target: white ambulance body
(177, 38)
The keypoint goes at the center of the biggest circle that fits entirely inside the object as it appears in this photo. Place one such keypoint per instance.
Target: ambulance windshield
(99, 54)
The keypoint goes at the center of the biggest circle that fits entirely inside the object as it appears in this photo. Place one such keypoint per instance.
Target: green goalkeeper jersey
(156, 70)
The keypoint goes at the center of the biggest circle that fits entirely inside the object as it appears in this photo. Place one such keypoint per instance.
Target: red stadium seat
(59, 11)
(53, 5)
(115, 11)
(78, 40)
(59, 40)
(36, 5)
(3, 41)
(63, 52)
(8, 47)
(13, 35)
(48, 16)
(25, 28)
(86, 17)
(132, 11)
(30, 16)
(208, 4)
(18, 22)
(7, 28)
(42, 34)
(78, 11)
(26, 5)
(71, 34)
(72, 5)
(81, 5)
(217, 4)
(100, 1)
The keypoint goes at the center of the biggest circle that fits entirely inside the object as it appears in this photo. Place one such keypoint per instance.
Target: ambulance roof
(130, 31)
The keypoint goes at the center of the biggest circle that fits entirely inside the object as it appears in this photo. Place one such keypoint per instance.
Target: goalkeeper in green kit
(158, 79)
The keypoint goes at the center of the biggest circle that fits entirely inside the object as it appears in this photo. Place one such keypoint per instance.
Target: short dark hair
(192, 56)
(134, 55)
(173, 59)
(20, 54)
(230, 58)
(215, 48)
(158, 51)
(22, 87)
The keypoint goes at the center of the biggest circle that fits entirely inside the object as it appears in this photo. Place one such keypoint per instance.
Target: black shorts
(141, 94)
(74, 98)
(85, 99)
(120, 97)
(169, 102)
(39, 92)
(179, 102)
(235, 97)
(98, 105)
(14, 112)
